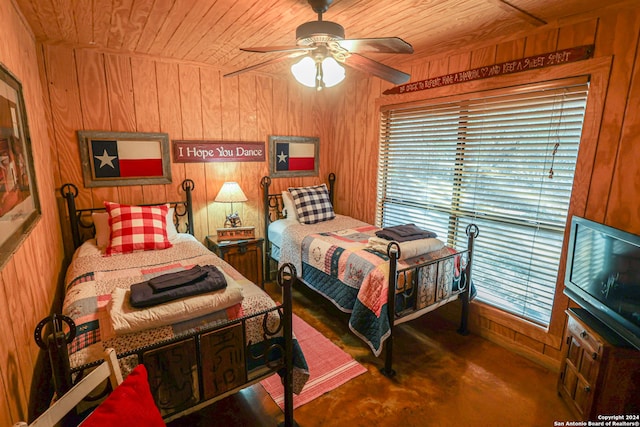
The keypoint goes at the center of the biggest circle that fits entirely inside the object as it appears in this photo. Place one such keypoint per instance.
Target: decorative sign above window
(293, 156)
(530, 63)
(217, 151)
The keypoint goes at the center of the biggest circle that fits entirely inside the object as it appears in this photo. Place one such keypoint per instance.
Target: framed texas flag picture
(124, 158)
(293, 156)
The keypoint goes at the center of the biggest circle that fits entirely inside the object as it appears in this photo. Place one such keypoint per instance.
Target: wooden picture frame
(19, 202)
(124, 158)
(292, 156)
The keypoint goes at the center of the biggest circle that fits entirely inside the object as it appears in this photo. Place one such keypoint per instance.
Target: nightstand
(243, 255)
(599, 373)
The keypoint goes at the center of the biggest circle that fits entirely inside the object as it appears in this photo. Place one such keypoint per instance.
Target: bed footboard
(404, 286)
(192, 371)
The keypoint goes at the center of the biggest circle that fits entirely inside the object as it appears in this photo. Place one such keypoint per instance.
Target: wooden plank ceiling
(212, 31)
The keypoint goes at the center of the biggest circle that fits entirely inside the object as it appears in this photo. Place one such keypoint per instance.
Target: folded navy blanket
(142, 294)
(405, 233)
(179, 278)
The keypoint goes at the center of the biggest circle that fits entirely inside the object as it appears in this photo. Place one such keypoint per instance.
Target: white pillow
(172, 233)
(103, 231)
(289, 206)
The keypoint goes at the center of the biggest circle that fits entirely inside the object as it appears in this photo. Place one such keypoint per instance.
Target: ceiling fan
(324, 48)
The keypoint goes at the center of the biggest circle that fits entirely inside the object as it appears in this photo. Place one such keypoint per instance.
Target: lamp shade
(231, 193)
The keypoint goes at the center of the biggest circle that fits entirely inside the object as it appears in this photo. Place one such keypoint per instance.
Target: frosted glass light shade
(332, 72)
(304, 71)
(308, 73)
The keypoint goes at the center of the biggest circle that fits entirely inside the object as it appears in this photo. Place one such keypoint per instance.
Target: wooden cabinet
(600, 373)
(244, 255)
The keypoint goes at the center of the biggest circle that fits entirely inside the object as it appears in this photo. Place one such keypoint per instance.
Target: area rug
(329, 366)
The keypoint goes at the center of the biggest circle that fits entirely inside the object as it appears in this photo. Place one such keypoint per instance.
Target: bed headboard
(81, 222)
(273, 206)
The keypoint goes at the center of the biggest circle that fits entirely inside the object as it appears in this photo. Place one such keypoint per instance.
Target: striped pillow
(137, 228)
(312, 204)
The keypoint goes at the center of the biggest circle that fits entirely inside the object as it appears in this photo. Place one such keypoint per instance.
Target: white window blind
(503, 161)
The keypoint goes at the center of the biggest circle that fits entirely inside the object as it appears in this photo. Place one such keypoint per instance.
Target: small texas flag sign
(126, 158)
(295, 156)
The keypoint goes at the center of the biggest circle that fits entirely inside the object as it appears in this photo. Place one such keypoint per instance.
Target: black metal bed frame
(405, 289)
(82, 227)
(200, 347)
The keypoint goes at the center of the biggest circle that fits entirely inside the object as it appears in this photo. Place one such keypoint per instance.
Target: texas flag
(295, 156)
(127, 158)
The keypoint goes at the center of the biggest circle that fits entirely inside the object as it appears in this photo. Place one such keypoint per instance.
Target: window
(504, 161)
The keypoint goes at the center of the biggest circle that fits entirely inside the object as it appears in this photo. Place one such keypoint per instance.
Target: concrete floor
(443, 379)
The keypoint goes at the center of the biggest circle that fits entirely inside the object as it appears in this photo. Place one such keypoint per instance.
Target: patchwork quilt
(92, 278)
(340, 266)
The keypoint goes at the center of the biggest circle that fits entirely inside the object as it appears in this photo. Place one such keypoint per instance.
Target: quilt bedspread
(340, 266)
(92, 278)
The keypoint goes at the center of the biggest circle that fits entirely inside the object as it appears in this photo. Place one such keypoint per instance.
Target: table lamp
(231, 193)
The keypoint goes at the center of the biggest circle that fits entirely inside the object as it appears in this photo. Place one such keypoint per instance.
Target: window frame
(458, 141)
(598, 70)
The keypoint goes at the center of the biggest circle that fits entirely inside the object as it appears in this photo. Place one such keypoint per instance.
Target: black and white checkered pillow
(312, 204)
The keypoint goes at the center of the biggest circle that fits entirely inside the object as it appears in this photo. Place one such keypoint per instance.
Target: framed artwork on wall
(19, 203)
(293, 156)
(124, 158)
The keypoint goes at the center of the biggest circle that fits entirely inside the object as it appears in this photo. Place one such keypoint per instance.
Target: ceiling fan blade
(265, 63)
(270, 49)
(376, 68)
(376, 45)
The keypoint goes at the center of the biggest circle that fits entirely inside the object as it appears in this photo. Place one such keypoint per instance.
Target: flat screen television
(603, 276)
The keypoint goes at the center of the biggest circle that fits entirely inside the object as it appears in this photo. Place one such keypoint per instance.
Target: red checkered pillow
(136, 228)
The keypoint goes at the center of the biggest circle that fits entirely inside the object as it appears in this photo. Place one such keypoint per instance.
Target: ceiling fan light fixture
(318, 74)
(326, 53)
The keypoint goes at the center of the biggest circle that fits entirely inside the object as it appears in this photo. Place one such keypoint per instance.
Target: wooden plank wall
(94, 90)
(28, 280)
(607, 182)
(91, 90)
(85, 89)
